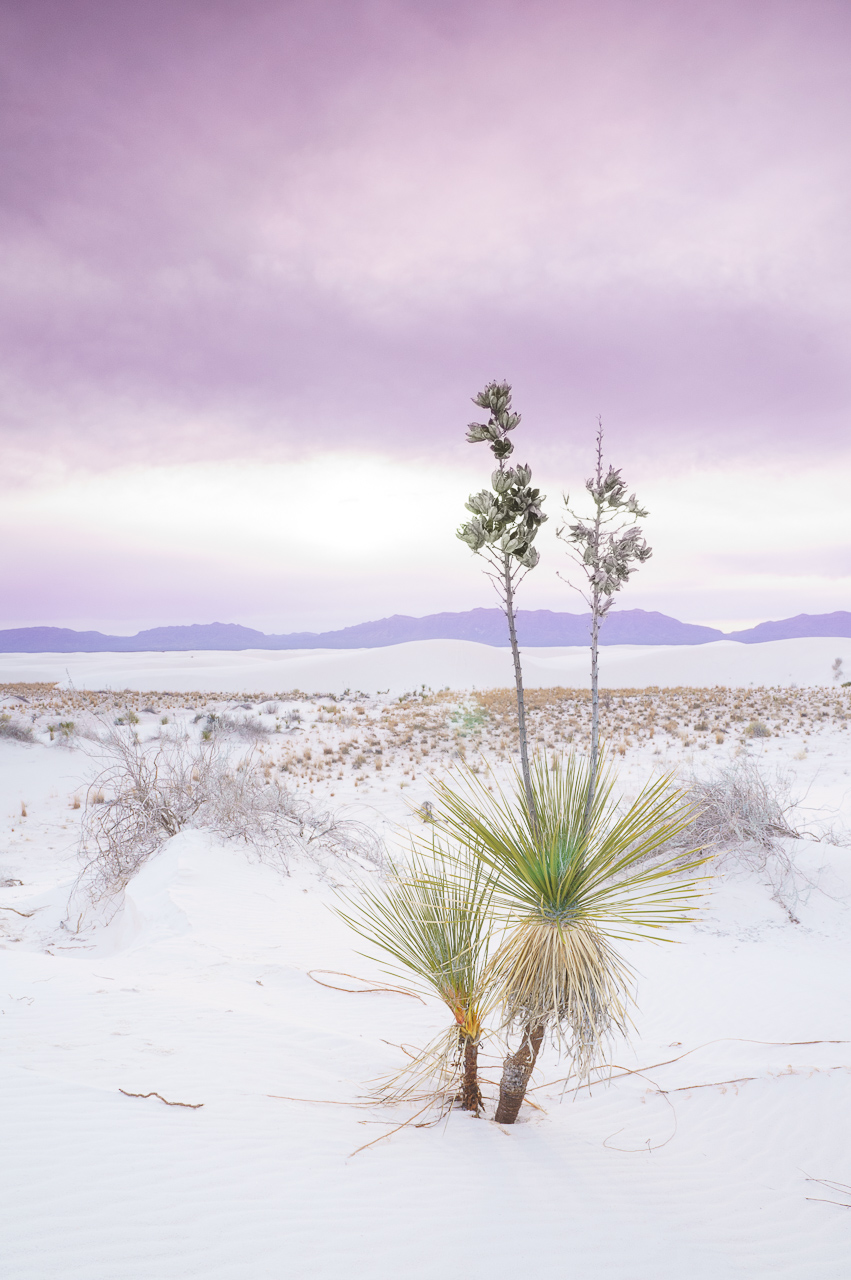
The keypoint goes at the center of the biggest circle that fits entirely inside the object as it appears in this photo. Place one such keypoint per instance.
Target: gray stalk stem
(595, 638)
(518, 680)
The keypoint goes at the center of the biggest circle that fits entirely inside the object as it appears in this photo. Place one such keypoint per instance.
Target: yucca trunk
(516, 1073)
(470, 1095)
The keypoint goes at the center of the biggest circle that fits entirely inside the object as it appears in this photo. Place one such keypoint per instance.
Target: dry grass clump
(675, 717)
(26, 692)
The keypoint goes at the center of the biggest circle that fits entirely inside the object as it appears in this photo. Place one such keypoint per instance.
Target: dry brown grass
(25, 691)
(323, 738)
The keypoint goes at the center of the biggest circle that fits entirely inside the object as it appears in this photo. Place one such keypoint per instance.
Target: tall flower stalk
(506, 520)
(608, 548)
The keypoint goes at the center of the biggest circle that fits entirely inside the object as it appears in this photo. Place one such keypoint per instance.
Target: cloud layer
(272, 232)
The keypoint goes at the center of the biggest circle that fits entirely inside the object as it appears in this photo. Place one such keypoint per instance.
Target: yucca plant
(567, 887)
(432, 923)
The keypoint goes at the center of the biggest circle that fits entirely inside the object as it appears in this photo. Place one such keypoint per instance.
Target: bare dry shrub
(738, 805)
(746, 818)
(150, 791)
(15, 730)
(145, 795)
(246, 805)
(239, 727)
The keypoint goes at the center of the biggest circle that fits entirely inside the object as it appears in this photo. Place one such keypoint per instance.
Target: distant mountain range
(535, 627)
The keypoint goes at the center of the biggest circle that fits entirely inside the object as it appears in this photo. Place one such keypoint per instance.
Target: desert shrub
(146, 794)
(15, 730)
(756, 729)
(738, 806)
(245, 806)
(149, 792)
(239, 727)
(745, 817)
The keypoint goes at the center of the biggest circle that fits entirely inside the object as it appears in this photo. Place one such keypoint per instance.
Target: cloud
(341, 537)
(256, 258)
(266, 230)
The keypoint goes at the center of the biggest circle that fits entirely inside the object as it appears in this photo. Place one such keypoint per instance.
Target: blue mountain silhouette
(535, 627)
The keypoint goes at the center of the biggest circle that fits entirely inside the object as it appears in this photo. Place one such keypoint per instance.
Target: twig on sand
(403, 1125)
(622, 1072)
(192, 1105)
(842, 1188)
(637, 1071)
(335, 1102)
(646, 1146)
(358, 991)
(327, 1102)
(710, 1084)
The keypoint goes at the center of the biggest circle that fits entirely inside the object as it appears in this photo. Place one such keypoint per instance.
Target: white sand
(454, 664)
(199, 989)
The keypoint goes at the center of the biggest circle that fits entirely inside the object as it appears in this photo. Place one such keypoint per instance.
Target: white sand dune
(203, 994)
(694, 1168)
(453, 664)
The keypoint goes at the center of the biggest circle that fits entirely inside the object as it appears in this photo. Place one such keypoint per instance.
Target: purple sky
(257, 256)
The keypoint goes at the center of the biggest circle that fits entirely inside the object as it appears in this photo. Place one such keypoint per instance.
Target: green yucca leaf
(568, 868)
(431, 922)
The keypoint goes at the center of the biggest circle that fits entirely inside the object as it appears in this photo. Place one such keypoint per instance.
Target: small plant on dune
(567, 886)
(431, 922)
(144, 795)
(247, 730)
(150, 791)
(739, 806)
(15, 730)
(743, 818)
(506, 520)
(608, 548)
